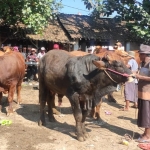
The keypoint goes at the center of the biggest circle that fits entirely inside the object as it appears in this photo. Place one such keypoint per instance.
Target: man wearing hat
(131, 88)
(41, 53)
(144, 96)
(32, 69)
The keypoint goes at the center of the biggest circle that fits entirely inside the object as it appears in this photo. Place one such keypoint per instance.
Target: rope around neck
(110, 76)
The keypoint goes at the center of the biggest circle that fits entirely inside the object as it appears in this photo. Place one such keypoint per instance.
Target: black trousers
(31, 72)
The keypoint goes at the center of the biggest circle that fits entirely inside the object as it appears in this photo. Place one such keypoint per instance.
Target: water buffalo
(81, 79)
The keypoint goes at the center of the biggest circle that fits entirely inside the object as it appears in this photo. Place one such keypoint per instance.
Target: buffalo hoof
(80, 138)
(55, 111)
(52, 119)
(40, 123)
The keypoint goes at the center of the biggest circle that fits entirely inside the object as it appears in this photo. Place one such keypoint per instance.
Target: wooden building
(72, 32)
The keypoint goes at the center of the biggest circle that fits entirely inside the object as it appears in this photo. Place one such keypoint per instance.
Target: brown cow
(1, 53)
(12, 71)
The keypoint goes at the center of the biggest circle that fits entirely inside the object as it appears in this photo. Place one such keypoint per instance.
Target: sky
(74, 7)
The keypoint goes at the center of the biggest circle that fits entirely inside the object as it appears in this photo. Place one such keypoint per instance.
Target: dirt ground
(25, 134)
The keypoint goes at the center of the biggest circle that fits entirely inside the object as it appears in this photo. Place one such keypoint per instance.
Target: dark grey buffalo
(81, 79)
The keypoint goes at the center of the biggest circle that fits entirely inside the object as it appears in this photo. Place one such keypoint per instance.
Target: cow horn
(99, 64)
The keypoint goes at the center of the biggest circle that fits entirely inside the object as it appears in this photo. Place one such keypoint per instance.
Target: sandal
(134, 106)
(123, 109)
(140, 140)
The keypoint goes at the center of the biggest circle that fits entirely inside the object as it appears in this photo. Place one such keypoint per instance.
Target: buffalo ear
(99, 64)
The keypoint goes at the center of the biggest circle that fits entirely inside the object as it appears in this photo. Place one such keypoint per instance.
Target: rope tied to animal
(122, 74)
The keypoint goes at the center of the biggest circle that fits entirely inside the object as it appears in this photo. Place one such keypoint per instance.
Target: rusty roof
(53, 32)
(81, 26)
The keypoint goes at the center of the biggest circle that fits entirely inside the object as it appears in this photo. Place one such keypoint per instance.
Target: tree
(34, 14)
(136, 13)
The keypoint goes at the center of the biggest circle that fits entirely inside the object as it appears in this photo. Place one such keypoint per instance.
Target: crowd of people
(32, 57)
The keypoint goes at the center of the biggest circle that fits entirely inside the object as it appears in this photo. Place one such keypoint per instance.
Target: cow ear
(99, 64)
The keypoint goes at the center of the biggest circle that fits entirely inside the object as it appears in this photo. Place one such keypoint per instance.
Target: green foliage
(134, 12)
(35, 14)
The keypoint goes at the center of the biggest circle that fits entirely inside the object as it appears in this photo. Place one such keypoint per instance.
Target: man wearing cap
(41, 53)
(144, 95)
(131, 88)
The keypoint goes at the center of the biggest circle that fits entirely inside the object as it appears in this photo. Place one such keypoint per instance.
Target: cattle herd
(82, 77)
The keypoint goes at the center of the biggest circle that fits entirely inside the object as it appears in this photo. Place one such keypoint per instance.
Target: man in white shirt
(41, 53)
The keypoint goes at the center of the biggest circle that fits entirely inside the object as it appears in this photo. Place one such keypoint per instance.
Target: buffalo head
(115, 68)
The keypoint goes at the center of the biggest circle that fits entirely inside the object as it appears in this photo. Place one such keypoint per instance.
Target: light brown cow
(1, 53)
(12, 71)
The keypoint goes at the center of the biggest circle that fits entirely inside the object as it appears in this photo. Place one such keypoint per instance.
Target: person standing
(32, 68)
(41, 53)
(24, 53)
(144, 95)
(131, 88)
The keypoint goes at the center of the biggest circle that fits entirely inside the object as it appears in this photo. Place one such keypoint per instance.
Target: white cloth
(92, 48)
(40, 55)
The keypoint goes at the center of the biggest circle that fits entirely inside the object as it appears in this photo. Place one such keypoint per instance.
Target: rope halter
(116, 72)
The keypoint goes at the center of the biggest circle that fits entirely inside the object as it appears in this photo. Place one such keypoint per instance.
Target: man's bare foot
(144, 146)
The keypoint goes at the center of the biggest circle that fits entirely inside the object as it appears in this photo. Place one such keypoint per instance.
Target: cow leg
(1, 95)
(111, 98)
(18, 93)
(60, 99)
(10, 99)
(55, 111)
(97, 111)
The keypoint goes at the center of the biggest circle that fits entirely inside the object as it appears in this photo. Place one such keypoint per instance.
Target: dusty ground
(25, 134)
